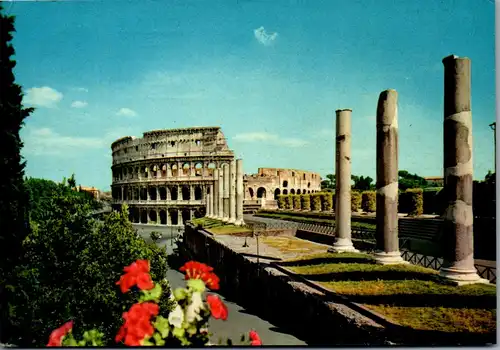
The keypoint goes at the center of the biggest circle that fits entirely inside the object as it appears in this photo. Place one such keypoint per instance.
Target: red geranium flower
(58, 334)
(217, 307)
(137, 323)
(136, 273)
(197, 270)
(254, 339)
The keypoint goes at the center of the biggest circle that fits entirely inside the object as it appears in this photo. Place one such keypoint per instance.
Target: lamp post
(493, 127)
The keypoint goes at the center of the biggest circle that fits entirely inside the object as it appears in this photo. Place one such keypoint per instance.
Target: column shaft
(215, 198)
(458, 242)
(220, 200)
(232, 192)
(343, 242)
(239, 192)
(387, 239)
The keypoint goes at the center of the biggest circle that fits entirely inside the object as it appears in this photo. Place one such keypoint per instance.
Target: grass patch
(410, 295)
(290, 244)
(218, 227)
(291, 217)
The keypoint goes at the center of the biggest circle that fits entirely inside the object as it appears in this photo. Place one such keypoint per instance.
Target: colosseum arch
(174, 217)
(211, 167)
(175, 170)
(186, 215)
(163, 193)
(250, 192)
(277, 192)
(261, 192)
(298, 191)
(152, 193)
(292, 191)
(198, 169)
(164, 170)
(285, 183)
(144, 194)
(185, 169)
(145, 172)
(173, 193)
(199, 213)
(152, 170)
(152, 216)
(186, 195)
(163, 217)
(285, 191)
(198, 193)
(144, 216)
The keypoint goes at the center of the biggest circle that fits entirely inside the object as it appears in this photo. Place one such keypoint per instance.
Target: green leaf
(161, 324)
(192, 330)
(180, 293)
(152, 294)
(178, 333)
(196, 285)
(147, 342)
(82, 343)
(158, 339)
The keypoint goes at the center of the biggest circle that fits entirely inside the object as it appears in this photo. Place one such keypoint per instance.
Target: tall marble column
(232, 192)
(225, 216)
(458, 265)
(343, 182)
(180, 219)
(220, 199)
(239, 193)
(207, 206)
(387, 239)
(215, 198)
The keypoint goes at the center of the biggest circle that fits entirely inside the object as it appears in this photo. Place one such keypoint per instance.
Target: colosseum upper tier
(164, 176)
(269, 183)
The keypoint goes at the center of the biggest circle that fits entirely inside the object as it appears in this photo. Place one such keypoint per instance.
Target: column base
(460, 277)
(225, 219)
(342, 245)
(231, 221)
(390, 258)
(239, 222)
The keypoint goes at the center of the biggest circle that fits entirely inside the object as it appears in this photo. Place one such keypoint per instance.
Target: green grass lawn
(297, 218)
(218, 227)
(409, 295)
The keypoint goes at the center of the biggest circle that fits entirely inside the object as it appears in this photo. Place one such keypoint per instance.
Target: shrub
(355, 201)
(432, 201)
(155, 236)
(296, 201)
(416, 203)
(70, 268)
(281, 201)
(369, 201)
(326, 201)
(288, 202)
(315, 202)
(305, 202)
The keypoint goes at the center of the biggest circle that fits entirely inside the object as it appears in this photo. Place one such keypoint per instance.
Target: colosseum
(269, 183)
(164, 176)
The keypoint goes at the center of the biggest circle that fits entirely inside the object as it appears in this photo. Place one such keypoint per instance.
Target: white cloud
(269, 138)
(42, 97)
(79, 104)
(45, 141)
(81, 89)
(127, 112)
(263, 37)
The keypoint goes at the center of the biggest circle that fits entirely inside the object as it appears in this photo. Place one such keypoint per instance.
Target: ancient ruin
(269, 183)
(165, 176)
(343, 182)
(387, 238)
(458, 263)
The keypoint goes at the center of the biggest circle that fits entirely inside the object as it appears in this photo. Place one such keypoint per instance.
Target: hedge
(369, 201)
(305, 201)
(355, 201)
(281, 201)
(315, 201)
(416, 202)
(288, 202)
(296, 201)
(326, 201)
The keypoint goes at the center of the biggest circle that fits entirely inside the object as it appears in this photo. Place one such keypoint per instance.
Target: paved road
(239, 320)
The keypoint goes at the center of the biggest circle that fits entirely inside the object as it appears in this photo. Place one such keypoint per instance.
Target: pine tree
(13, 196)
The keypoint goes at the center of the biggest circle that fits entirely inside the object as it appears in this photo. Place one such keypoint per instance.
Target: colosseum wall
(269, 183)
(164, 176)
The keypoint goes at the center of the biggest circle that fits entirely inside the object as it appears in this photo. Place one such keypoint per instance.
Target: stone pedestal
(387, 239)
(458, 266)
(239, 193)
(343, 183)
(232, 192)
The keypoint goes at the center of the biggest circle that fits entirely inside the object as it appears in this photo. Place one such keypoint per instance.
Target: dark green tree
(407, 180)
(13, 196)
(362, 183)
(328, 183)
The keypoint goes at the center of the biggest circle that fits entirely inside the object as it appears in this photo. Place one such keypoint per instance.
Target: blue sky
(270, 73)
